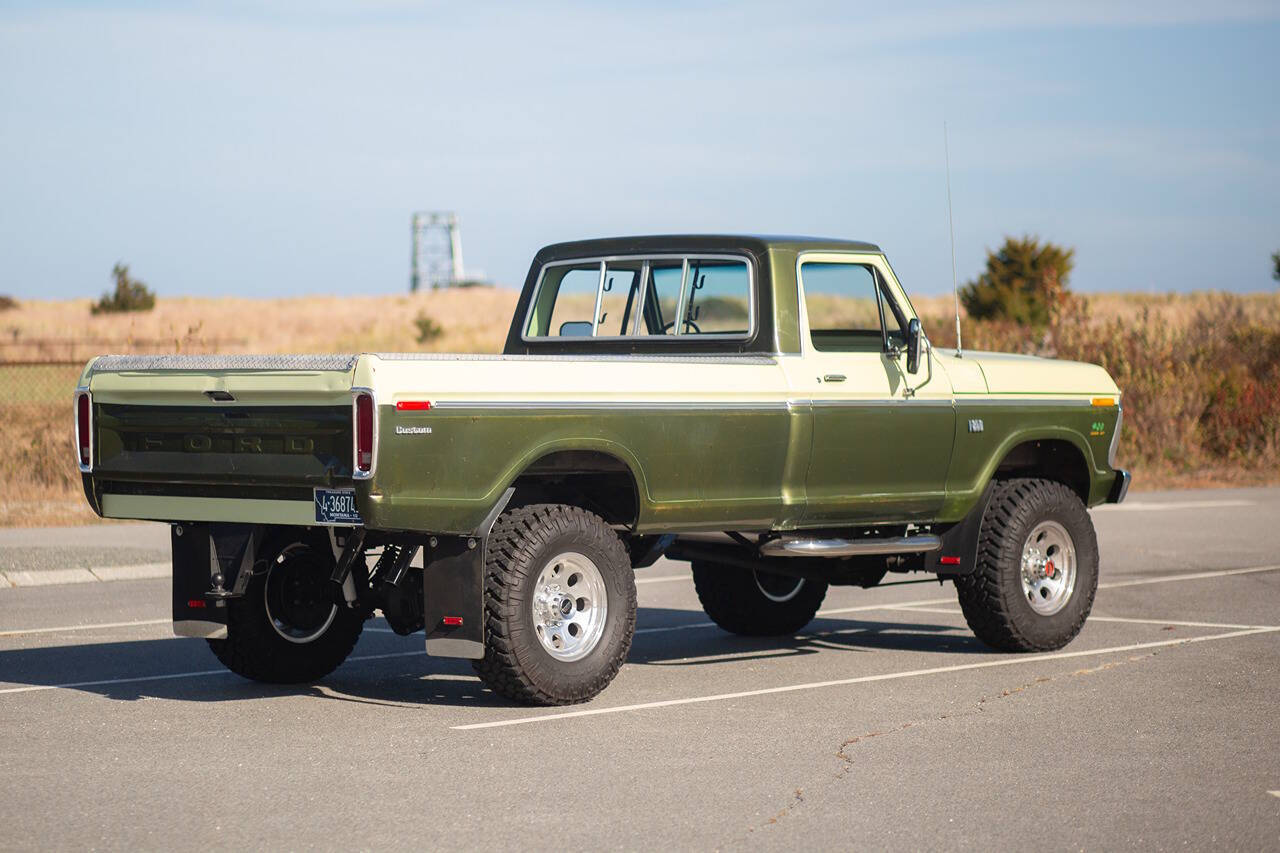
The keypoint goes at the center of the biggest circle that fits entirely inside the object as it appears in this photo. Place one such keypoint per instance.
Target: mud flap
(453, 584)
(202, 552)
(959, 552)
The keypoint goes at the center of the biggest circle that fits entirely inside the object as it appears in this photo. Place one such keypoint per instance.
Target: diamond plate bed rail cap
(115, 363)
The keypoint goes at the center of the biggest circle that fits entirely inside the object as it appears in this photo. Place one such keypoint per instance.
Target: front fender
(977, 456)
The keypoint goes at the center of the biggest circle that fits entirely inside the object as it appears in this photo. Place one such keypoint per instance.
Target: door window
(848, 308)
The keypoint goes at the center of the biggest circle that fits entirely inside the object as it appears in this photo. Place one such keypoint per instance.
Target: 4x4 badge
(975, 425)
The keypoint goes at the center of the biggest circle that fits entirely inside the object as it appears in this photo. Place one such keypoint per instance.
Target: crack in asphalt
(847, 761)
(1046, 679)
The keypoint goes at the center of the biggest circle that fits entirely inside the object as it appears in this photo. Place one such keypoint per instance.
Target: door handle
(833, 377)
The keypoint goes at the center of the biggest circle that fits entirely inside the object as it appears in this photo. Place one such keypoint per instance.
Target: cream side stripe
(746, 404)
(608, 404)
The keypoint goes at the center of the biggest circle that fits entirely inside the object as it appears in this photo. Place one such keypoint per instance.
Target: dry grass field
(474, 320)
(1200, 372)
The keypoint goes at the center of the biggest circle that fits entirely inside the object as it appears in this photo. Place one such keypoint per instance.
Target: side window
(662, 298)
(618, 299)
(847, 309)
(719, 298)
(676, 296)
(565, 301)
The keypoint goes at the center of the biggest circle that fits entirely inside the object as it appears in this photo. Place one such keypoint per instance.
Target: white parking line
(1094, 617)
(197, 674)
(664, 579)
(1140, 506)
(1175, 622)
(864, 679)
(834, 611)
(830, 612)
(668, 628)
(61, 628)
(1194, 576)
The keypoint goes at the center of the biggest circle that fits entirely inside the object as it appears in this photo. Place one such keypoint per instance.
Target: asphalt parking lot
(885, 724)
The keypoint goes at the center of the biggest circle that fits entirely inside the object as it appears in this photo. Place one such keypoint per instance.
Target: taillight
(84, 438)
(363, 414)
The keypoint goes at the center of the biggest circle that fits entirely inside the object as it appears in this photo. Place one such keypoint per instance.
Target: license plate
(337, 506)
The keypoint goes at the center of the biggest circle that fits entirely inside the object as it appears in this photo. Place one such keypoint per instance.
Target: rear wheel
(756, 603)
(560, 605)
(1037, 568)
(286, 629)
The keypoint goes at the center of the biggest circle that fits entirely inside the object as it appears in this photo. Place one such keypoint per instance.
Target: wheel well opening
(1050, 459)
(590, 479)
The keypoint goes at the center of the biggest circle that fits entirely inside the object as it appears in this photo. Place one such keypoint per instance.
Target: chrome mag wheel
(569, 607)
(1048, 568)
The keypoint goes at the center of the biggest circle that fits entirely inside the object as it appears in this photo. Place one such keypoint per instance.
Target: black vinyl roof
(755, 243)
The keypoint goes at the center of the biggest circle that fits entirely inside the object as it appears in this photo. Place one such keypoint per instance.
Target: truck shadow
(395, 671)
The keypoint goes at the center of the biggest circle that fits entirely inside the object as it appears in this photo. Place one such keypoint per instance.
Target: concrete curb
(57, 577)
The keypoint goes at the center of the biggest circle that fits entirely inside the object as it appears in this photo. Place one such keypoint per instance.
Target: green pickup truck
(767, 408)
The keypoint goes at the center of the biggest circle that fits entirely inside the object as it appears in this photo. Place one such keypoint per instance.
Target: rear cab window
(645, 297)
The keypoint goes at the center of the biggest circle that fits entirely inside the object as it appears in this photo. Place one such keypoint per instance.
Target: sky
(278, 148)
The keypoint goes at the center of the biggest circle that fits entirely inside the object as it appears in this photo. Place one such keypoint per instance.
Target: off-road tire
(735, 601)
(521, 544)
(993, 599)
(254, 648)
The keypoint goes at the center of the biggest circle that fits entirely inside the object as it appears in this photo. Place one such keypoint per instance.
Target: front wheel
(560, 605)
(756, 603)
(1037, 570)
(286, 629)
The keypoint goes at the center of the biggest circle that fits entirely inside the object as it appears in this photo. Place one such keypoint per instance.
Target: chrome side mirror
(915, 343)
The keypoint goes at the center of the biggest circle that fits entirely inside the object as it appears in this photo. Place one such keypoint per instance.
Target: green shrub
(428, 329)
(130, 294)
(1024, 282)
(7, 303)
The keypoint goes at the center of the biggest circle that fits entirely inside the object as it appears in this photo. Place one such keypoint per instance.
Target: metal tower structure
(437, 250)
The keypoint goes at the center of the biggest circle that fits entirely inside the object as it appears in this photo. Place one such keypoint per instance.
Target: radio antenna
(951, 226)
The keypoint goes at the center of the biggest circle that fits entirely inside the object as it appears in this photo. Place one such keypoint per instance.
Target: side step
(792, 547)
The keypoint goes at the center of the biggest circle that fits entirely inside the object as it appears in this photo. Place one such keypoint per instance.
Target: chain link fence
(37, 461)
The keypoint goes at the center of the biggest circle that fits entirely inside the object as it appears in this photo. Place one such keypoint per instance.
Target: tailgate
(217, 427)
